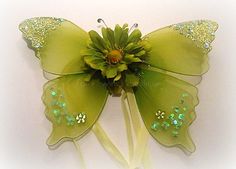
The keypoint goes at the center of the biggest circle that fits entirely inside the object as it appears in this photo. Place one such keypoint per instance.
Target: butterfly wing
(72, 105)
(167, 107)
(182, 48)
(58, 43)
(165, 98)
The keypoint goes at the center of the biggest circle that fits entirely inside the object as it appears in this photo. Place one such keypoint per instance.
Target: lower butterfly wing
(58, 43)
(167, 107)
(72, 105)
(182, 48)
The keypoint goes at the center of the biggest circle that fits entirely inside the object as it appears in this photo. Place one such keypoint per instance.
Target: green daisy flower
(117, 56)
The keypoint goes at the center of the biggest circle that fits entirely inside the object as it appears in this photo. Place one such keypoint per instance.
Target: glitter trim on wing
(202, 32)
(37, 29)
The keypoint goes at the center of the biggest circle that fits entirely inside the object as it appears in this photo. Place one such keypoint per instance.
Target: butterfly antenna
(134, 26)
(100, 20)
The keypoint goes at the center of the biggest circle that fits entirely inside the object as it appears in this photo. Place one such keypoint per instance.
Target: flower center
(115, 56)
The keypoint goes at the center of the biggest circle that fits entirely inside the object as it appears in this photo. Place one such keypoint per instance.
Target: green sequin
(175, 133)
(176, 110)
(61, 104)
(165, 125)
(178, 125)
(56, 112)
(155, 126)
(53, 93)
(70, 120)
(171, 117)
(181, 116)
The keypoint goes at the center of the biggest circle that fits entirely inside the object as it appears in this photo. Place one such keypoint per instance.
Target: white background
(24, 129)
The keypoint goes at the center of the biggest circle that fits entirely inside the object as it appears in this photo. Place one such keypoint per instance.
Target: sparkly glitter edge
(35, 30)
(201, 41)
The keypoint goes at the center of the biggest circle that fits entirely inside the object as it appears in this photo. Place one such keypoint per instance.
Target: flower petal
(117, 33)
(135, 36)
(97, 40)
(108, 35)
(111, 71)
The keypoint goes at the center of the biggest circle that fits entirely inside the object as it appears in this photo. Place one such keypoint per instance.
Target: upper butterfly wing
(57, 42)
(167, 107)
(72, 105)
(182, 48)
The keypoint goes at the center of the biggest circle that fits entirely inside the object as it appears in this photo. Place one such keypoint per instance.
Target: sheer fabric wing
(182, 48)
(73, 106)
(167, 107)
(58, 43)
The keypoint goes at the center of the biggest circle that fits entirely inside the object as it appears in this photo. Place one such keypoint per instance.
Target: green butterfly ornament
(90, 66)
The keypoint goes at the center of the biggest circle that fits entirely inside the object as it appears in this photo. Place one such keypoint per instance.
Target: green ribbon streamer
(128, 125)
(79, 154)
(108, 145)
(140, 133)
(138, 153)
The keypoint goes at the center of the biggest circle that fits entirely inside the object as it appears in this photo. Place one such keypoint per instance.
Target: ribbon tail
(140, 148)
(141, 152)
(146, 159)
(82, 162)
(108, 145)
(128, 126)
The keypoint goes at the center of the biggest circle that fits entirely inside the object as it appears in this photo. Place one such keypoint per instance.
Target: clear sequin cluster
(173, 120)
(202, 32)
(36, 29)
(59, 110)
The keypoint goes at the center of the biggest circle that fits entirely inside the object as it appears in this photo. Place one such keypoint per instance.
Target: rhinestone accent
(81, 118)
(160, 114)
